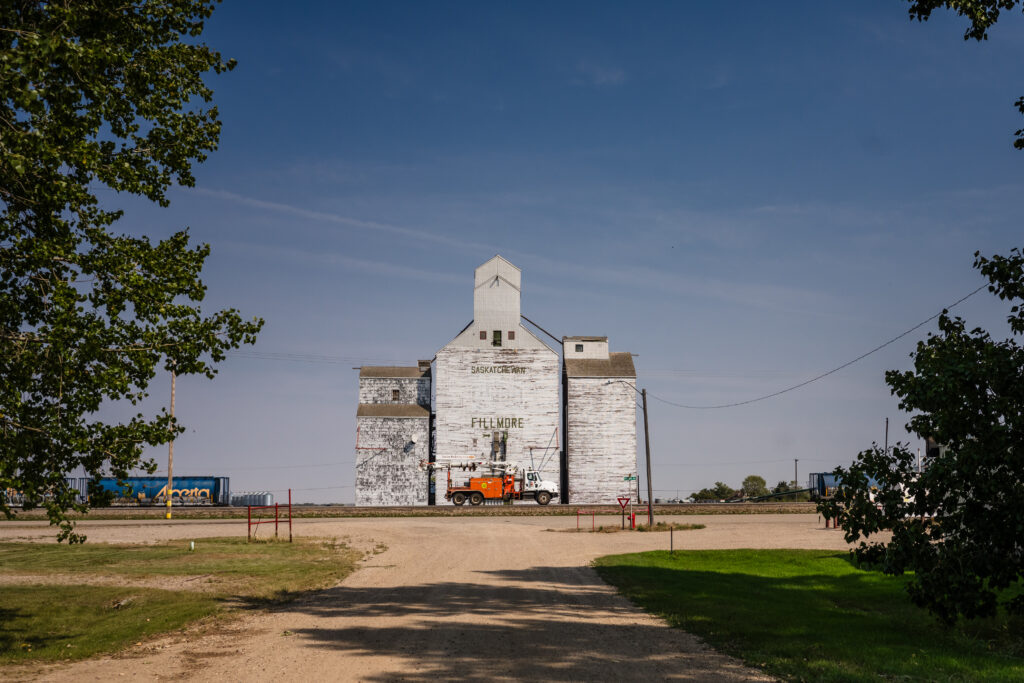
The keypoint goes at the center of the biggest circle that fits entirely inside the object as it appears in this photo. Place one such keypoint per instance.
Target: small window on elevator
(483, 335)
(579, 348)
(395, 394)
(511, 335)
(496, 338)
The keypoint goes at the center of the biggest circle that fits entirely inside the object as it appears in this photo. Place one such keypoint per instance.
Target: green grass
(39, 622)
(809, 615)
(51, 623)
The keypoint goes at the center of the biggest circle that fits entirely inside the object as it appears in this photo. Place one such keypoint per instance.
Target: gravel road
(474, 599)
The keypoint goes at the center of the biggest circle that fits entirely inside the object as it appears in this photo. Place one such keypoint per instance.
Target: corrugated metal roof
(392, 371)
(617, 365)
(392, 410)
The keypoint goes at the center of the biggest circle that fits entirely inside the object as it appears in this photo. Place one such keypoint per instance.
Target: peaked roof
(500, 267)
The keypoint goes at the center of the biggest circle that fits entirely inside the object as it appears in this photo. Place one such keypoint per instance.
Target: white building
(496, 399)
(393, 435)
(599, 408)
(496, 383)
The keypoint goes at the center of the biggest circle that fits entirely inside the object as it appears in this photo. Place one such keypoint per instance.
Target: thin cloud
(598, 75)
(338, 219)
(361, 265)
(755, 295)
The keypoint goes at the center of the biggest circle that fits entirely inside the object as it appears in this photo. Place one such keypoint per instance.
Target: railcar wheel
(459, 498)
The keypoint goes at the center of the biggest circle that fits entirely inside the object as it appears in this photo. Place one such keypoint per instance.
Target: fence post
(289, 515)
(276, 513)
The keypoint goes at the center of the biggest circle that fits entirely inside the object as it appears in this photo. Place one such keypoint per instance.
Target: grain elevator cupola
(496, 301)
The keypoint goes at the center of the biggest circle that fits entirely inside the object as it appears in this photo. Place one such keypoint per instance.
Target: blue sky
(744, 194)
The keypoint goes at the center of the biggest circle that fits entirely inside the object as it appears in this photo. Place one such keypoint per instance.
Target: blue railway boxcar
(187, 491)
(825, 485)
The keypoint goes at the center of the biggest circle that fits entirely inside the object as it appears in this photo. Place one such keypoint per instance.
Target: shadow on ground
(555, 623)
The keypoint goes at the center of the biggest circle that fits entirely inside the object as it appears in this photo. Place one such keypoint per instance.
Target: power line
(824, 374)
(712, 464)
(557, 340)
(235, 468)
(317, 488)
(312, 358)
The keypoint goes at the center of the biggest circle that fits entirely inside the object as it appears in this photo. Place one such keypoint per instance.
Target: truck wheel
(476, 498)
(543, 497)
(459, 498)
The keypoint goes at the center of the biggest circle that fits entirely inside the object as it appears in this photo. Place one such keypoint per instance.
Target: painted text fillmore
(496, 422)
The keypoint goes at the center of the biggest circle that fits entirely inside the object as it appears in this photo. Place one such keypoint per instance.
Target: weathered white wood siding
(392, 476)
(389, 449)
(481, 391)
(411, 390)
(601, 431)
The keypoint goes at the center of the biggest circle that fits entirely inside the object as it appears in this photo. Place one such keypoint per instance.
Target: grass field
(51, 609)
(809, 615)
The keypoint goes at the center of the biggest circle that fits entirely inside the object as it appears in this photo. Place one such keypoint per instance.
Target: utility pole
(796, 479)
(170, 451)
(647, 444)
(886, 435)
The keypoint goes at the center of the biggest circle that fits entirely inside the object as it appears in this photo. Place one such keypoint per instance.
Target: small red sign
(623, 502)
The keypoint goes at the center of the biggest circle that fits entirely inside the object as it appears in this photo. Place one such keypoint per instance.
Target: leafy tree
(784, 486)
(754, 486)
(704, 494)
(97, 94)
(958, 524)
(983, 14)
(720, 491)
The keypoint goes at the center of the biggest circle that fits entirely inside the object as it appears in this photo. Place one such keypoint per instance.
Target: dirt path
(475, 599)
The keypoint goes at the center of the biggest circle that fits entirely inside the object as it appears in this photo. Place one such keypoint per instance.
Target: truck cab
(542, 491)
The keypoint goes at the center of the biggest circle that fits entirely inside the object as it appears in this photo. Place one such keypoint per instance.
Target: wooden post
(650, 488)
(170, 452)
(249, 523)
(289, 515)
